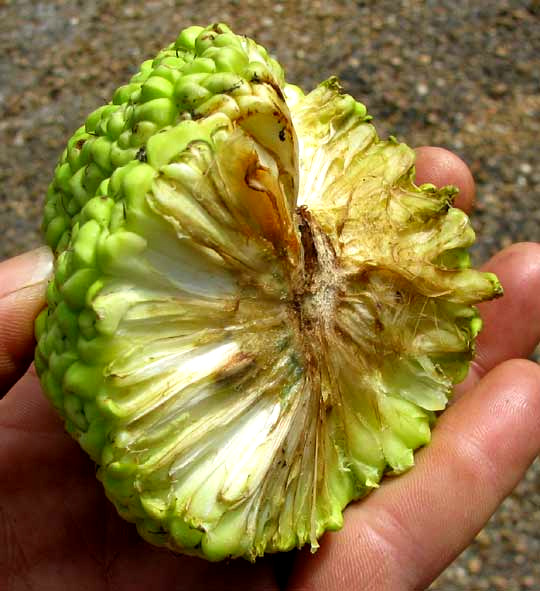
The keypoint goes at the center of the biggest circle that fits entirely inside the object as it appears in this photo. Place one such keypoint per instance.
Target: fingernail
(25, 270)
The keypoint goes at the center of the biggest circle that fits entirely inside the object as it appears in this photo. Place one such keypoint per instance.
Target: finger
(23, 281)
(408, 531)
(442, 167)
(511, 323)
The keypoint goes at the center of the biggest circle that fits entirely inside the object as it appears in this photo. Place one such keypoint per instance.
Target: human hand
(57, 530)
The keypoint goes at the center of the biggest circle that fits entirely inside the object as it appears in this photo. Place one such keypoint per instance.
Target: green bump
(94, 290)
(122, 156)
(123, 93)
(116, 124)
(494, 280)
(77, 188)
(54, 340)
(53, 389)
(189, 93)
(49, 210)
(40, 324)
(99, 210)
(87, 324)
(123, 141)
(59, 364)
(136, 183)
(54, 231)
(142, 132)
(93, 177)
(228, 59)
(115, 251)
(117, 177)
(476, 326)
(226, 82)
(63, 243)
(228, 537)
(63, 267)
(360, 110)
(156, 87)
(67, 321)
(84, 247)
(163, 147)
(165, 72)
(75, 288)
(160, 111)
(123, 470)
(219, 103)
(256, 72)
(172, 62)
(94, 118)
(186, 39)
(74, 154)
(62, 177)
(228, 40)
(74, 412)
(53, 295)
(183, 535)
(154, 506)
(118, 216)
(101, 152)
(94, 438)
(83, 380)
(200, 65)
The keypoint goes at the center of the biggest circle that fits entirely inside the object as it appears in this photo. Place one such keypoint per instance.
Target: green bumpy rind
(203, 72)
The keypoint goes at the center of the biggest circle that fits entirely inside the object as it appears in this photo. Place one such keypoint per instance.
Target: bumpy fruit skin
(255, 312)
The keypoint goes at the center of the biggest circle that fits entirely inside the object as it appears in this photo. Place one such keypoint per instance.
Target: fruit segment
(255, 312)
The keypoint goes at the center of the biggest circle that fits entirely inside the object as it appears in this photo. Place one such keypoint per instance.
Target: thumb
(23, 283)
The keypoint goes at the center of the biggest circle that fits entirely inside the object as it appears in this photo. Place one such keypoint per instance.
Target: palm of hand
(58, 531)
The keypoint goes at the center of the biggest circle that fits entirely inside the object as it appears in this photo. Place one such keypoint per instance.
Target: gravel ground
(457, 73)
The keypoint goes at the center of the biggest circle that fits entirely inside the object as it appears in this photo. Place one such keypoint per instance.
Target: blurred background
(462, 74)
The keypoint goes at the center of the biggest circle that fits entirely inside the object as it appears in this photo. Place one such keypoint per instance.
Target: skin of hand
(58, 531)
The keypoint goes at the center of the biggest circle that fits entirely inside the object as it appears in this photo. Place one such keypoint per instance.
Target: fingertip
(512, 323)
(18, 311)
(26, 270)
(442, 167)
(519, 382)
(528, 252)
(23, 284)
